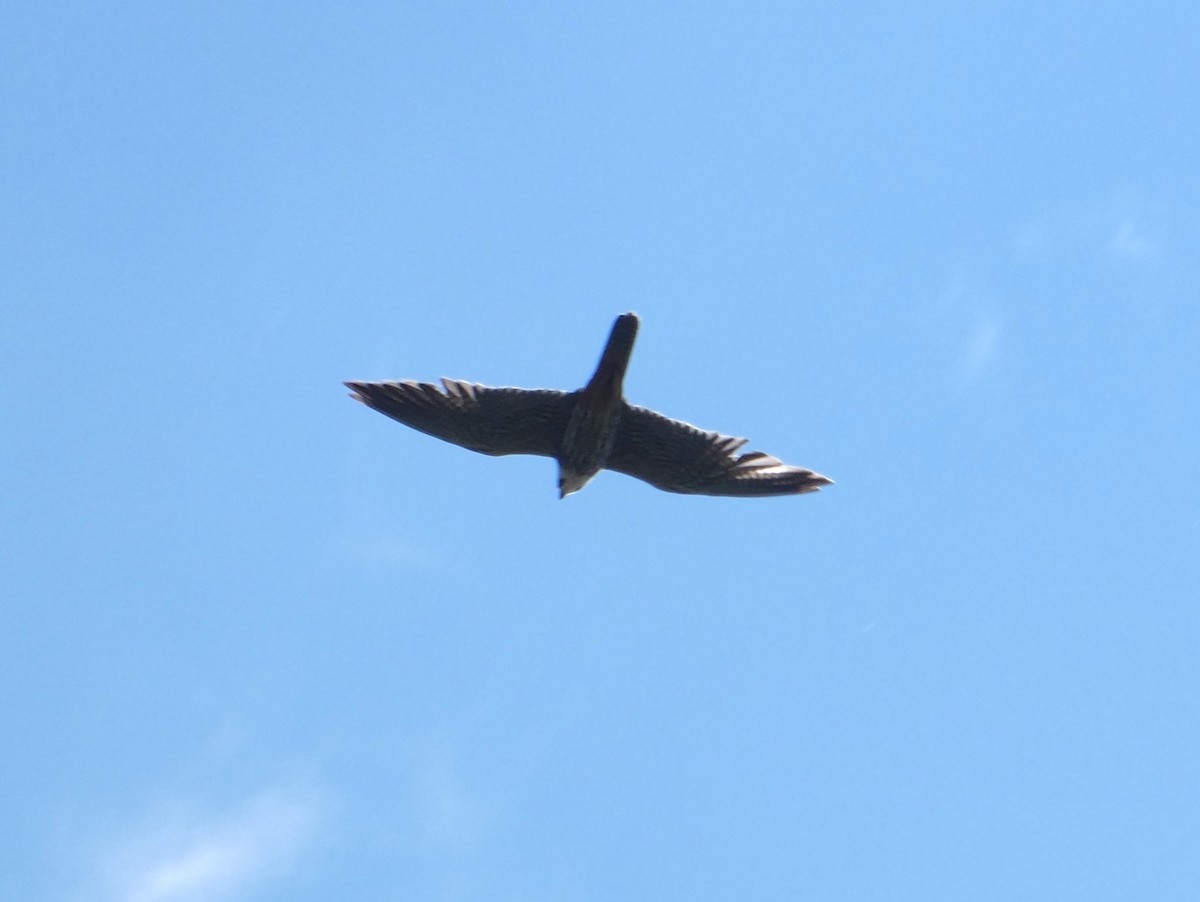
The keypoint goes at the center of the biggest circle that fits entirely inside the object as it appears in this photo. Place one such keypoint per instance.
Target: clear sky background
(260, 643)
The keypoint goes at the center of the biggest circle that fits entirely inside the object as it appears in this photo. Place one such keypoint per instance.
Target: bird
(589, 430)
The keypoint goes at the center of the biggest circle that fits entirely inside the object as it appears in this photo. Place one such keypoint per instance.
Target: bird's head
(569, 483)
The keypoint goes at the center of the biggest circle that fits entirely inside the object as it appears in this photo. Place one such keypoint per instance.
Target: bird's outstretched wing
(677, 457)
(489, 420)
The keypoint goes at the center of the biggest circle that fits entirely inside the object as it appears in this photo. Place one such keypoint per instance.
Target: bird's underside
(587, 430)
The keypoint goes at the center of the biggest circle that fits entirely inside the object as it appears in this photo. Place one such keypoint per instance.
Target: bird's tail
(615, 359)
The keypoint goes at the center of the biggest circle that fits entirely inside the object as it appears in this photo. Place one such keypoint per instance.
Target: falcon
(589, 430)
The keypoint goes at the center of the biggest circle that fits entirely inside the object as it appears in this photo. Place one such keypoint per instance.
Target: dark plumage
(588, 430)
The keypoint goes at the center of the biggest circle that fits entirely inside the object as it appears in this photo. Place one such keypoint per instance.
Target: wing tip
(766, 475)
(811, 482)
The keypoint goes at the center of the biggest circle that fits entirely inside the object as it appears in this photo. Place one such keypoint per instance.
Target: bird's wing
(489, 420)
(677, 457)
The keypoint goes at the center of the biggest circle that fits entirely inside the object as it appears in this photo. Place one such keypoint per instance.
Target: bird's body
(588, 430)
(596, 415)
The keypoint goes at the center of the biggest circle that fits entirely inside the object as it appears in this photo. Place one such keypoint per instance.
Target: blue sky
(261, 644)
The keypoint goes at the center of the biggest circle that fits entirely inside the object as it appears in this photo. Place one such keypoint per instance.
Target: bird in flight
(588, 430)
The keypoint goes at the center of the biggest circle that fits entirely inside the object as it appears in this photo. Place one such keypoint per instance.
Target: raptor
(589, 430)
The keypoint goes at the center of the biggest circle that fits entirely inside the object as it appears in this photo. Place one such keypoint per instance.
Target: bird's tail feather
(615, 359)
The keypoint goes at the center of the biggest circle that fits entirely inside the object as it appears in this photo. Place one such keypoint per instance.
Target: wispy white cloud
(370, 532)
(450, 814)
(387, 550)
(1120, 231)
(179, 856)
(1032, 237)
(978, 332)
(1128, 242)
(980, 347)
